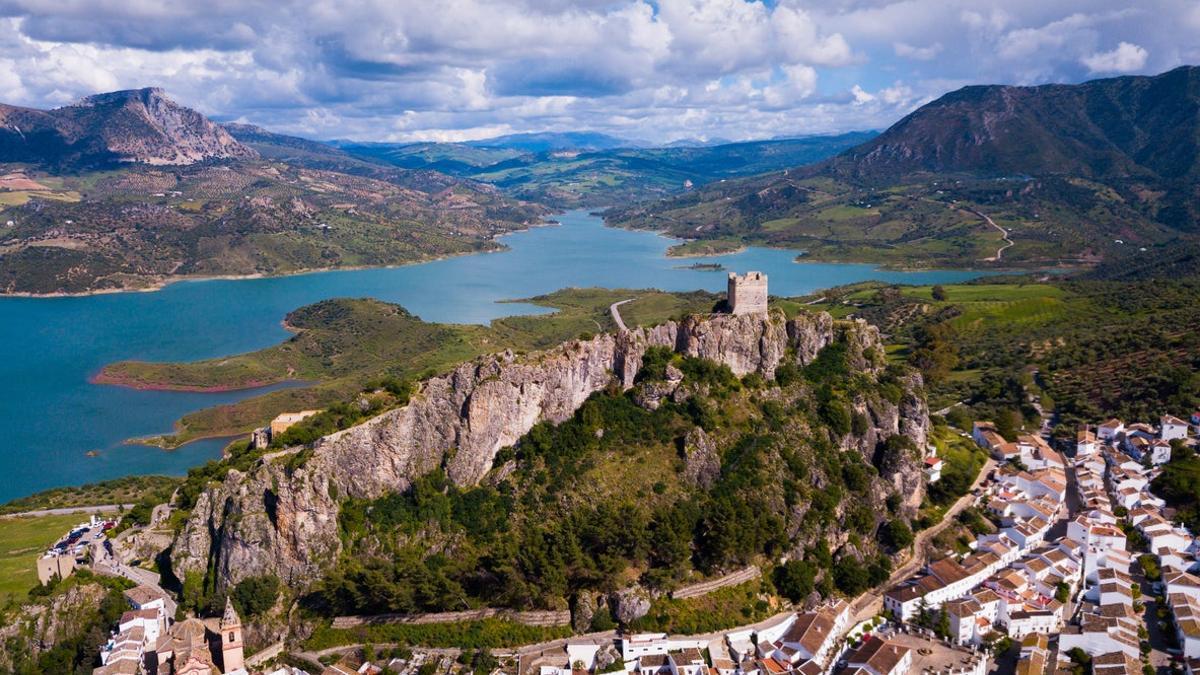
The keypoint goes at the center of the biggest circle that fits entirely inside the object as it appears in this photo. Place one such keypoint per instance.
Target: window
(232, 637)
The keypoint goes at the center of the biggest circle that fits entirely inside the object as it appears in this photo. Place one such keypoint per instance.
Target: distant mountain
(1070, 173)
(272, 145)
(138, 126)
(571, 178)
(548, 141)
(1116, 128)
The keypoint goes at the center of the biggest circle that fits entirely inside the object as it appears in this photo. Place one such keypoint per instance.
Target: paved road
(100, 508)
(868, 604)
(113, 567)
(614, 309)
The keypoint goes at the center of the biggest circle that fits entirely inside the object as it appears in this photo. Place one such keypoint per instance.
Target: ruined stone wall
(747, 294)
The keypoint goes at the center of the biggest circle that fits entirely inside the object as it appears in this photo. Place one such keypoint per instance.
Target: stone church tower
(232, 657)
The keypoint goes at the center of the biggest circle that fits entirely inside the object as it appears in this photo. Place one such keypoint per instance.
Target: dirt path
(1003, 233)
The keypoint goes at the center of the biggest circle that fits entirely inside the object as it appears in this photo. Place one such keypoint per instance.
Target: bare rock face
(703, 462)
(282, 519)
(40, 626)
(583, 612)
(139, 125)
(630, 604)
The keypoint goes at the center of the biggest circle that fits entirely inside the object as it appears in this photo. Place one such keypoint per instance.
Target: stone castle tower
(232, 657)
(747, 293)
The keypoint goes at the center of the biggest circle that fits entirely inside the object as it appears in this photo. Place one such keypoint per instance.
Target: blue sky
(661, 71)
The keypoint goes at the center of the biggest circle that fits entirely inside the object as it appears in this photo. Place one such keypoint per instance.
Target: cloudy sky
(659, 70)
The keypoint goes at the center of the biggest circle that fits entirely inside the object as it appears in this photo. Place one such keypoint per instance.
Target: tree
(897, 534)
(939, 293)
(1062, 592)
(796, 579)
(934, 351)
(943, 624)
(1009, 423)
(255, 595)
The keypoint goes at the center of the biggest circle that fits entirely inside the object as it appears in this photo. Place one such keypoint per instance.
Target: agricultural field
(1086, 348)
(22, 541)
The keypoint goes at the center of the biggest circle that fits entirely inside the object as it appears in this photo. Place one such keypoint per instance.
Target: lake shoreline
(158, 283)
(58, 350)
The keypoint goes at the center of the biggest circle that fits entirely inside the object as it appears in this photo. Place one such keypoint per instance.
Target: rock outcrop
(630, 604)
(281, 516)
(702, 462)
(139, 125)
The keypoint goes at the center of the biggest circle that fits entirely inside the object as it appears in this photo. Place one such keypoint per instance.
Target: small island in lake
(703, 267)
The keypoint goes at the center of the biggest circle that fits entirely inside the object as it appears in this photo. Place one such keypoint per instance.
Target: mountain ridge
(141, 126)
(1071, 172)
(1120, 127)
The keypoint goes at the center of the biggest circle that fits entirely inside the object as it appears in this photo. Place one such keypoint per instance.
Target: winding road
(615, 310)
(868, 604)
(1003, 233)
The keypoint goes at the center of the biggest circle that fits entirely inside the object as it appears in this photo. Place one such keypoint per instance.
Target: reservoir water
(51, 416)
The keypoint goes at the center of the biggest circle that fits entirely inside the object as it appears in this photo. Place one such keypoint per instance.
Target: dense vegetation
(604, 499)
(1179, 485)
(84, 626)
(1085, 348)
(483, 634)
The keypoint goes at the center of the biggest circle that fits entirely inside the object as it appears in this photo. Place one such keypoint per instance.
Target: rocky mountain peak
(136, 125)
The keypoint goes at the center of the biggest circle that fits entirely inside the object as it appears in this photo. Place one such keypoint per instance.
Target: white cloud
(919, 53)
(1126, 58)
(861, 95)
(648, 69)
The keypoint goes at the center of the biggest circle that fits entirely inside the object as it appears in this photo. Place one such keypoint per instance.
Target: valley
(922, 402)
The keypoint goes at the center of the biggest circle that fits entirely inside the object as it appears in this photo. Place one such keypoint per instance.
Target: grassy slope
(342, 344)
(927, 221)
(1102, 347)
(22, 541)
(133, 227)
(126, 490)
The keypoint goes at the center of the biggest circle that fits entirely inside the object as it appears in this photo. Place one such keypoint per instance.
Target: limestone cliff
(281, 516)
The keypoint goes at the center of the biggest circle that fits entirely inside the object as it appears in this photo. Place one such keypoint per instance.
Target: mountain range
(983, 176)
(129, 190)
(1068, 173)
(1116, 128)
(574, 174)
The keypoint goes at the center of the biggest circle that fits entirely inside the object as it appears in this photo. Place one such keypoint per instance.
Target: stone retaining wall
(542, 618)
(705, 587)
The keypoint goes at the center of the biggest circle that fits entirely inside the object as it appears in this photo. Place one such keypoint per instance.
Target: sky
(655, 70)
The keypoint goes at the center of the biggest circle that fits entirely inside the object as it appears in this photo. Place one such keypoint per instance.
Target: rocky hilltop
(139, 126)
(1121, 127)
(281, 516)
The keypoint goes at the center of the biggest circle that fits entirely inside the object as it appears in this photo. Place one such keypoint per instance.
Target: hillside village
(1065, 579)
(1063, 584)
(1059, 579)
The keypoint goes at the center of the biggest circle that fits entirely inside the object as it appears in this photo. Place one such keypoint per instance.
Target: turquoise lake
(51, 416)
